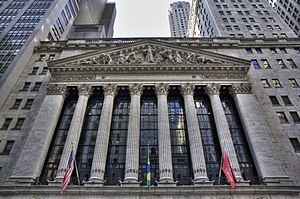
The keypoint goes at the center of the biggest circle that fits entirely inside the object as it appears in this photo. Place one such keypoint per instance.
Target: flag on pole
(68, 174)
(148, 171)
(227, 169)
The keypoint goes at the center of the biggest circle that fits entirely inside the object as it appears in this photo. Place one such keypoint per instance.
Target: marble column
(258, 137)
(164, 137)
(213, 90)
(133, 137)
(101, 147)
(195, 140)
(74, 131)
(34, 153)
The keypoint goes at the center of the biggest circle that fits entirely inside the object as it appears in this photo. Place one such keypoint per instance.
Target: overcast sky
(142, 18)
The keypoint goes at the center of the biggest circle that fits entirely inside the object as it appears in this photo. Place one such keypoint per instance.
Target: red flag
(68, 174)
(228, 171)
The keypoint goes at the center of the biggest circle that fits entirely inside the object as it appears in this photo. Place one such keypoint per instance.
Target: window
(269, 27)
(281, 63)
(51, 57)
(282, 117)
(256, 27)
(228, 28)
(283, 35)
(283, 50)
(240, 12)
(37, 86)
(261, 6)
(272, 20)
(225, 6)
(251, 20)
(236, 27)
(248, 27)
(264, 20)
(235, 6)
(292, 63)
(261, 36)
(243, 6)
(266, 12)
(28, 103)
(254, 6)
(232, 20)
(255, 63)
(286, 100)
(8, 147)
(225, 20)
(258, 50)
(295, 117)
(259, 12)
(221, 12)
(253, 35)
(19, 123)
(6, 123)
(228, 12)
(247, 13)
(293, 83)
(42, 57)
(295, 144)
(17, 104)
(273, 50)
(274, 100)
(244, 20)
(266, 64)
(276, 83)
(240, 35)
(275, 35)
(44, 71)
(249, 51)
(297, 49)
(34, 71)
(218, 6)
(277, 27)
(265, 83)
(26, 86)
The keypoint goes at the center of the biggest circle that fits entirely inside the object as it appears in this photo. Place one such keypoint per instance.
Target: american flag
(68, 174)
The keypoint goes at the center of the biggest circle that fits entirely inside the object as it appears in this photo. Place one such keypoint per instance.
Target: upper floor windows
(293, 83)
(6, 123)
(291, 63)
(276, 83)
(281, 63)
(265, 83)
(266, 64)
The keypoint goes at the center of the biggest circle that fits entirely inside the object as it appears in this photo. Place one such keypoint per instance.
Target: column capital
(110, 89)
(85, 89)
(213, 89)
(187, 89)
(136, 89)
(57, 89)
(241, 88)
(161, 89)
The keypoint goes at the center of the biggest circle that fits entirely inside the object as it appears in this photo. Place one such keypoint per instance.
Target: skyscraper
(289, 11)
(179, 18)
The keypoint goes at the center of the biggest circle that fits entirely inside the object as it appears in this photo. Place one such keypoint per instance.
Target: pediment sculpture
(148, 55)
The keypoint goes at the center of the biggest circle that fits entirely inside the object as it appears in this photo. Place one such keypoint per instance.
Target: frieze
(187, 89)
(68, 78)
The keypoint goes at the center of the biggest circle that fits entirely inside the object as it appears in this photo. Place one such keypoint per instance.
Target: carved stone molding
(110, 89)
(241, 88)
(213, 89)
(161, 89)
(57, 89)
(68, 78)
(136, 89)
(85, 89)
(187, 89)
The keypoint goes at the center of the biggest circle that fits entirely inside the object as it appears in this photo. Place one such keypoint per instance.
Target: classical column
(213, 90)
(133, 137)
(34, 153)
(195, 140)
(164, 137)
(74, 131)
(270, 169)
(101, 147)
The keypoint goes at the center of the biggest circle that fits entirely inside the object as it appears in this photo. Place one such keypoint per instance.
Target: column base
(202, 181)
(277, 181)
(130, 183)
(21, 180)
(167, 183)
(94, 182)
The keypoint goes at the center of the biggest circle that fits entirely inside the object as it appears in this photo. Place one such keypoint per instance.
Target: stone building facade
(184, 100)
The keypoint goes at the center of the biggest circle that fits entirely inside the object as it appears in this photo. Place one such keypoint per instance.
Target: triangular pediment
(149, 52)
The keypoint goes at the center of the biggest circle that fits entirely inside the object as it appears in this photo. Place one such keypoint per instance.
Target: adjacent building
(289, 11)
(179, 18)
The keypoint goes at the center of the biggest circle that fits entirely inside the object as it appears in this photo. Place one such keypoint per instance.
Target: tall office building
(239, 18)
(179, 18)
(112, 102)
(289, 11)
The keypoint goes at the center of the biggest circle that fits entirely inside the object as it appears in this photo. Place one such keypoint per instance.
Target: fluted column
(213, 90)
(133, 137)
(34, 153)
(164, 137)
(75, 130)
(195, 140)
(270, 169)
(101, 147)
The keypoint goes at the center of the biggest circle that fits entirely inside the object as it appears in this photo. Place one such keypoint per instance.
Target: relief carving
(85, 89)
(213, 89)
(57, 89)
(110, 89)
(161, 89)
(136, 89)
(241, 88)
(187, 89)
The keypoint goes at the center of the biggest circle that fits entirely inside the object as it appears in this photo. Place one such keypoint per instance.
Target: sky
(142, 18)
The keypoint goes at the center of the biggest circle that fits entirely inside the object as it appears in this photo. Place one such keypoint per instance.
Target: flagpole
(220, 169)
(76, 169)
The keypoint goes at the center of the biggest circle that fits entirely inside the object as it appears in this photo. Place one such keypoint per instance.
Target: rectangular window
(255, 63)
(37, 86)
(258, 50)
(265, 83)
(240, 12)
(296, 145)
(286, 100)
(266, 64)
(251, 20)
(259, 12)
(281, 63)
(249, 51)
(256, 27)
(42, 57)
(28, 103)
(293, 83)
(51, 57)
(221, 12)
(19, 123)
(34, 71)
(292, 63)
(276, 83)
(232, 20)
(44, 71)
(248, 28)
(273, 50)
(228, 28)
(282, 117)
(8, 147)
(236, 27)
(283, 50)
(244, 20)
(261, 35)
(68, 11)
(247, 13)
(228, 12)
(266, 12)
(274, 100)
(17, 104)
(295, 116)
(264, 20)
(253, 35)
(225, 20)
(26, 86)
(63, 14)
(269, 27)
(6, 123)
